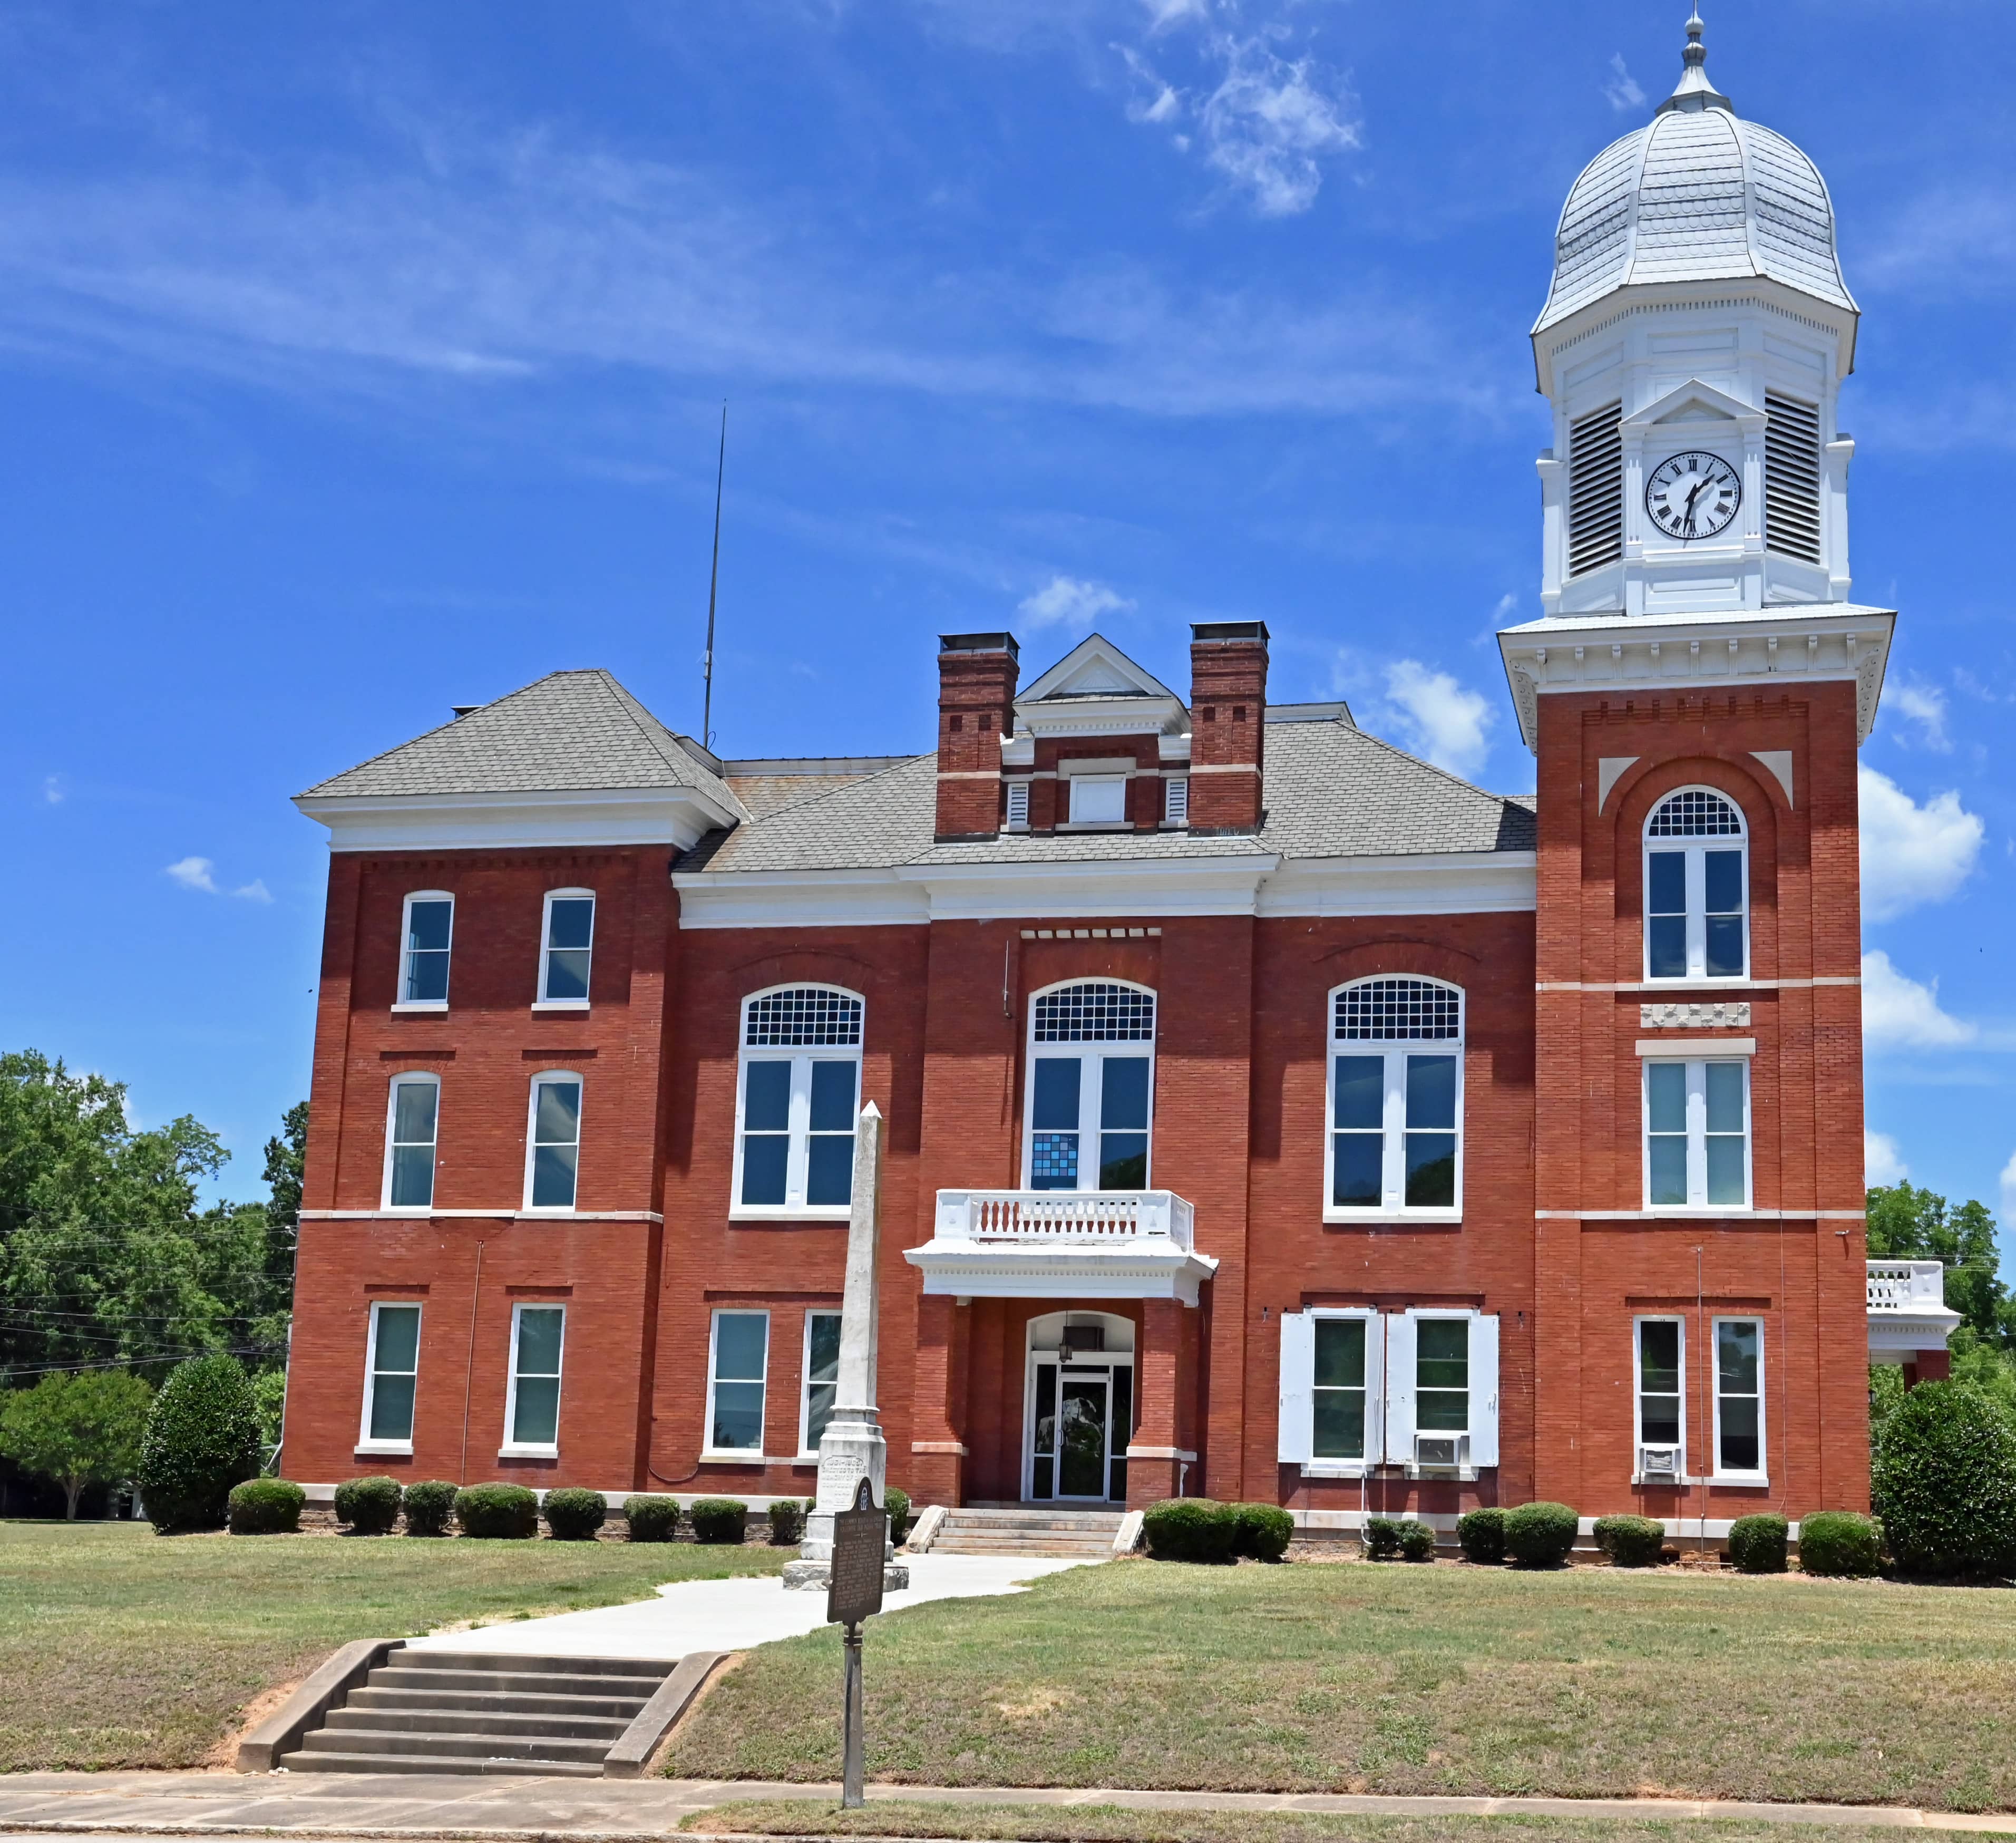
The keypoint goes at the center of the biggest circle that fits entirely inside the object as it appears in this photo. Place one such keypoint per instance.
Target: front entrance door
(1082, 1420)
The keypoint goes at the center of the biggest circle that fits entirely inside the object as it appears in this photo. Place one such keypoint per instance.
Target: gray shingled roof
(568, 732)
(1331, 790)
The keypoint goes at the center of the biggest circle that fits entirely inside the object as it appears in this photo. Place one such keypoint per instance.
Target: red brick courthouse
(1271, 1115)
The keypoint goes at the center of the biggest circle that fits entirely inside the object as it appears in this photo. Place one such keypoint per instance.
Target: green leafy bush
(429, 1504)
(652, 1519)
(1382, 1537)
(720, 1520)
(1189, 1529)
(497, 1512)
(787, 1521)
(1262, 1531)
(266, 1507)
(573, 1515)
(202, 1438)
(79, 1430)
(1539, 1535)
(370, 1506)
(1757, 1544)
(1840, 1542)
(1631, 1541)
(897, 1503)
(1943, 1477)
(1480, 1534)
(1417, 1542)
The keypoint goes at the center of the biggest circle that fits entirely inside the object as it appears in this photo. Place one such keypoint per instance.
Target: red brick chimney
(977, 674)
(1228, 725)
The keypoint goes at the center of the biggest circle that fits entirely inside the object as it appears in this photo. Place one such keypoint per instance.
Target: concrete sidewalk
(167, 1805)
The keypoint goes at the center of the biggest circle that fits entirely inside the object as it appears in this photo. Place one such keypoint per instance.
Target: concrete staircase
(424, 1711)
(1030, 1529)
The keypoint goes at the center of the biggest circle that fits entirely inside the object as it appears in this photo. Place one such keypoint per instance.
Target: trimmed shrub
(429, 1504)
(573, 1515)
(1539, 1535)
(651, 1519)
(1417, 1542)
(1943, 1480)
(1757, 1544)
(370, 1506)
(1262, 1531)
(266, 1507)
(1480, 1534)
(1382, 1537)
(1189, 1529)
(202, 1438)
(1841, 1543)
(497, 1513)
(1631, 1541)
(897, 1503)
(720, 1520)
(787, 1522)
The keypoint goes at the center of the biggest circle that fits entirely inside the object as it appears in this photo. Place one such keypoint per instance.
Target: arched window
(1092, 1086)
(1697, 888)
(1395, 1098)
(797, 1094)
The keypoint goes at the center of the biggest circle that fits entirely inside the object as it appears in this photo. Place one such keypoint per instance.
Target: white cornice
(434, 822)
(1451, 883)
(1154, 886)
(799, 899)
(1147, 1268)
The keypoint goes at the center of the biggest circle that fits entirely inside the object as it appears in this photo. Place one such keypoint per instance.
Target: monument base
(895, 1577)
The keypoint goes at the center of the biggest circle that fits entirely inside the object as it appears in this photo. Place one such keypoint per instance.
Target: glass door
(1082, 1416)
(1081, 1420)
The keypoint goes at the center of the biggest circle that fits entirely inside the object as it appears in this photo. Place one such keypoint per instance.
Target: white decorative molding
(1697, 1046)
(1609, 768)
(1779, 763)
(1729, 1014)
(519, 821)
(1428, 883)
(1051, 1244)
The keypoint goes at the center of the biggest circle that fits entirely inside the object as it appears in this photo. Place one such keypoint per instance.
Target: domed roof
(1695, 195)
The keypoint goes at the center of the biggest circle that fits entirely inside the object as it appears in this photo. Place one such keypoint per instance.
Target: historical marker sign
(860, 1548)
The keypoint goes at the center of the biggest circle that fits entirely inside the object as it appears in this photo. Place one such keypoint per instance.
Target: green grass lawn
(121, 1648)
(1589, 1682)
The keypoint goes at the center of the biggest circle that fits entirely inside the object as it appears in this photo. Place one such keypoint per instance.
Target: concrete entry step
(1026, 1530)
(477, 1702)
(308, 1762)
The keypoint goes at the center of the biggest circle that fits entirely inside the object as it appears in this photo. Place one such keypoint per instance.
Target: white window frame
(412, 1078)
(801, 1057)
(547, 1077)
(1103, 782)
(1298, 1391)
(1720, 1475)
(1402, 1387)
(1091, 1055)
(512, 1448)
(738, 1454)
(1695, 850)
(1392, 1207)
(546, 949)
(365, 1442)
(807, 1448)
(407, 950)
(1638, 1440)
(1697, 1137)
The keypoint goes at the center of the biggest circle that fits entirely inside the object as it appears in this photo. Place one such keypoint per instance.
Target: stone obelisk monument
(852, 1447)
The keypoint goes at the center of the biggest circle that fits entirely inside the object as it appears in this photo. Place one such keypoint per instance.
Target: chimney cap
(980, 643)
(1211, 630)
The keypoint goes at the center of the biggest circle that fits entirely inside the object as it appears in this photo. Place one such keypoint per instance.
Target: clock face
(1693, 496)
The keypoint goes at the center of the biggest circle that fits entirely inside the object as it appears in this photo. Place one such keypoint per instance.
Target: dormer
(1095, 690)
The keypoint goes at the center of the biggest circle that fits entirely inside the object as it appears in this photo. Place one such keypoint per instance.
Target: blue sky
(358, 359)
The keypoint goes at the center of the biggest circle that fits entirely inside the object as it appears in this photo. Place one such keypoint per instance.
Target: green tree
(78, 1430)
(1909, 1223)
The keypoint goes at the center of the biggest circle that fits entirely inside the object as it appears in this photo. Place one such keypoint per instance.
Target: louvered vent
(1018, 805)
(1792, 478)
(1596, 490)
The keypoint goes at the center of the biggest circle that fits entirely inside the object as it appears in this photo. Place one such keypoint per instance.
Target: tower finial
(1693, 91)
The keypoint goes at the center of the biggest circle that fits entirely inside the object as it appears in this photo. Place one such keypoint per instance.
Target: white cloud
(1621, 91)
(1156, 101)
(1898, 1013)
(1268, 122)
(52, 789)
(1912, 854)
(255, 891)
(1438, 719)
(1880, 1162)
(1926, 706)
(1068, 600)
(2009, 1190)
(194, 873)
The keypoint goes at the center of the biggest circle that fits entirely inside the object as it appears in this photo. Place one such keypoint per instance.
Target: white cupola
(1692, 344)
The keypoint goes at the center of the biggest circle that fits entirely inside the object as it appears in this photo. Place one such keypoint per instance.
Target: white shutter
(1483, 1390)
(1298, 1366)
(1375, 1387)
(1400, 1389)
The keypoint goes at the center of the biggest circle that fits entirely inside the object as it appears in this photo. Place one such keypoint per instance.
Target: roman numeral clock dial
(1693, 496)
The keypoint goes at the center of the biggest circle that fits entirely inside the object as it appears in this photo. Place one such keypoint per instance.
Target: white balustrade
(1906, 1286)
(1065, 1215)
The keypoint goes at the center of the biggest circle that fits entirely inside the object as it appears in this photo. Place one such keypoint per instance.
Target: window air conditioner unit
(1659, 1463)
(1442, 1452)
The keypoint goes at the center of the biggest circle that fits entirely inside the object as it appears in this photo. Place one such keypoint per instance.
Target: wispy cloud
(194, 873)
(1912, 854)
(1439, 720)
(1068, 600)
(255, 891)
(1620, 90)
(1899, 1013)
(2009, 1189)
(53, 789)
(1924, 706)
(1881, 1162)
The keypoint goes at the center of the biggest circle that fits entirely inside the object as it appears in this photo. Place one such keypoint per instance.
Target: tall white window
(1098, 799)
(1416, 1388)
(413, 1123)
(532, 1404)
(1739, 1398)
(552, 1142)
(1092, 1087)
(1697, 1134)
(426, 936)
(1662, 1427)
(391, 1371)
(738, 1359)
(821, 1374)
(1396, 1098)
(1341, 1357)
(1697, 888)
(799, 1092)
(567, 945)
